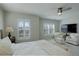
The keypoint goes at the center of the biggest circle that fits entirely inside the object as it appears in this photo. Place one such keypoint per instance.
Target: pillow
(59, 37)
(5, 49)
(69, 40)
(73, 38)
(7, 41)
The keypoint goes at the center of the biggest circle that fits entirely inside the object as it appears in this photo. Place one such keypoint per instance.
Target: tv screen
(71, 28)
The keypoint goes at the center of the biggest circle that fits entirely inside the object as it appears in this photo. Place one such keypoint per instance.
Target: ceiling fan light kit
(59, 11)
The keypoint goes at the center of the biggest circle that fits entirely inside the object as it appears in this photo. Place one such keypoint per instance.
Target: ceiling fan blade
(66, 9)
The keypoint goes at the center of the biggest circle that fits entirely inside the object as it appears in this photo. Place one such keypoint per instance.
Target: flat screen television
(70, 28)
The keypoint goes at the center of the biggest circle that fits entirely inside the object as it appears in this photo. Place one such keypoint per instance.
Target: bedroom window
(24, 30)
(49, 29)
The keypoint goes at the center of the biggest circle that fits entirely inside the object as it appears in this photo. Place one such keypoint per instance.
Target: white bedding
(37, 48)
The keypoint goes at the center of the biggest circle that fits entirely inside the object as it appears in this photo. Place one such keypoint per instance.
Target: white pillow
(7, 41)
(74, 37)
(59, 34)
(68, 39)
(59, 37)
(5, 49)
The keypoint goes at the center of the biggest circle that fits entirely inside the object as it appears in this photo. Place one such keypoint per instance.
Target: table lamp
(9, 30)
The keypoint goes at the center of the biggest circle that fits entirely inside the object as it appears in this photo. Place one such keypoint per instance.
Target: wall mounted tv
(70, 28)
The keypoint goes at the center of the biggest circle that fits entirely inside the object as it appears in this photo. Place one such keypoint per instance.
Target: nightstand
(13, 39)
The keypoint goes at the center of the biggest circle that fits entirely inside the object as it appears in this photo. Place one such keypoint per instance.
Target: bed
(33, 48)
(38, 48)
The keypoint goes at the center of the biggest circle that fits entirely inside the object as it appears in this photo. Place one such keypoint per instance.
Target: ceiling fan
(61, 9)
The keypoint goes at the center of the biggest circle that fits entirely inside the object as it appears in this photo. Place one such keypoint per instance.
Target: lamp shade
(9, 29)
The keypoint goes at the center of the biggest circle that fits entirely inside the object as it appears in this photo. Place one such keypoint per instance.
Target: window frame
(48, 27)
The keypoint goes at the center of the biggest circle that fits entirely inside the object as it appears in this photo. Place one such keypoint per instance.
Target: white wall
(13, 18)
(1, 19)
(71, 21)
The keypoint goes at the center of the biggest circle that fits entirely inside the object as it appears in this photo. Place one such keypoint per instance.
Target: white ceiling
(45, 10)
